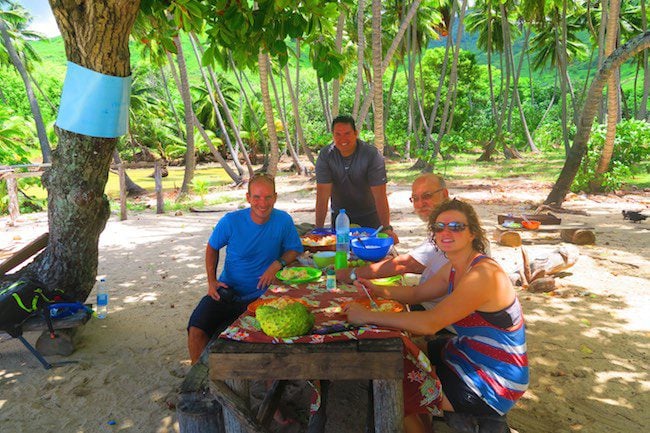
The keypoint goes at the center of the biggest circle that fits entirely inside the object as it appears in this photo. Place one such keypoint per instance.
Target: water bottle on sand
(102, 299)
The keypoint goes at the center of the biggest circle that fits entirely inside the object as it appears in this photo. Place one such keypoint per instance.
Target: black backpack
(22, 299)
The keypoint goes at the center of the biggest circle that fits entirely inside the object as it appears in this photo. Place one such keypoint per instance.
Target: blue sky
(43, 20)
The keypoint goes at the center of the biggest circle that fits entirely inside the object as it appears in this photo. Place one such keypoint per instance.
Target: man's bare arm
(323, 194)
(402, 264)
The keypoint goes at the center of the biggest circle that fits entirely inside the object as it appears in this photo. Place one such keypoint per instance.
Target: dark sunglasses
(453, 226)
(425, 196)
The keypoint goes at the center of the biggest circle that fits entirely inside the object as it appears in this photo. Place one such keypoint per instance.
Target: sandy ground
(588, 341)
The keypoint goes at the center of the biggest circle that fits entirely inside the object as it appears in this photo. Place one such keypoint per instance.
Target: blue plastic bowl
(375, 248)
(356, 232)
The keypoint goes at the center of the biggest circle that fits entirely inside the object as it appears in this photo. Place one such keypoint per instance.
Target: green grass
(212, 176)
(540, 167)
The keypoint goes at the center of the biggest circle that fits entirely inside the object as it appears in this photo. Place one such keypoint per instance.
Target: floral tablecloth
(422, 392)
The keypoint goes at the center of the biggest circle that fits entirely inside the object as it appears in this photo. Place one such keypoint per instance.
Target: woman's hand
(357, 314)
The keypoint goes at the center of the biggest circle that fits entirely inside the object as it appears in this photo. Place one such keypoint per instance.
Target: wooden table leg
(388, 406)
(230, 421)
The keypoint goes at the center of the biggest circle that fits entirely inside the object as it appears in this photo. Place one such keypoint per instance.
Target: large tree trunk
(274, 153)
(96, 36)
(377, 77)
(184, 89)
(33, 102)
(397, 40)
(577, 151)
(295, 106)
(361, 45)
(613, 85)
(336, 84)
(643, 112)
(299, 167)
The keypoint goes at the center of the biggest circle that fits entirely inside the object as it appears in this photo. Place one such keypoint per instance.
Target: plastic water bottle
(330, 282)
(102, 299)
(342, 240)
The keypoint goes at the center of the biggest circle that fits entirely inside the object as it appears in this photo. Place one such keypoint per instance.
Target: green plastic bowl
(323, 259)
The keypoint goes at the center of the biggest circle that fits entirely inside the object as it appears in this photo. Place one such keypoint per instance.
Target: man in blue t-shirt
(259, 242)
(353, 173)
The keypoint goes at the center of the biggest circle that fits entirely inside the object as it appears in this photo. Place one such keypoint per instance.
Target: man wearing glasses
(259, 242)
(427, 192)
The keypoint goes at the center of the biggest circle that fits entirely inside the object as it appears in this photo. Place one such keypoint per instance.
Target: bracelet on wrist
(283, 264)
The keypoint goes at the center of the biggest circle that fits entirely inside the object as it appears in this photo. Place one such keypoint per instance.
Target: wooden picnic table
(242, 354)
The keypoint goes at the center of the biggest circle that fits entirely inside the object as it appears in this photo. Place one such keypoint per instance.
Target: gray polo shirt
(351, 178)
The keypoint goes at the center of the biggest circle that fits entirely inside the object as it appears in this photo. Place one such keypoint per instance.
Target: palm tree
(12, 23)
(579, 147)
(377, 77)
(274, 155)
(613, 84)
(556, 42)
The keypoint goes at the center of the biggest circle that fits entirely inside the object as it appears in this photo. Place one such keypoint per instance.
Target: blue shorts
(461, 397)
(214, 316)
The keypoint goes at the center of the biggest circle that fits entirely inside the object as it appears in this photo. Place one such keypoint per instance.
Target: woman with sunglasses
(483, 370)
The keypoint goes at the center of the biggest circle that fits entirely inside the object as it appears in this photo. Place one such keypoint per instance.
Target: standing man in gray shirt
(353, 174)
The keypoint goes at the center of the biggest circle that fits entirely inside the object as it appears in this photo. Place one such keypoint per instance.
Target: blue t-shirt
(252, 247)
(351, 179)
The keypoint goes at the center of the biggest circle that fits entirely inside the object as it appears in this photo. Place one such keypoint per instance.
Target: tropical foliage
(517, 84)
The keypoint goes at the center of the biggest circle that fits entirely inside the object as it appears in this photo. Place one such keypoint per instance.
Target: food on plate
(318, 240)
(291, 320)
(385, 305)
(294, 274)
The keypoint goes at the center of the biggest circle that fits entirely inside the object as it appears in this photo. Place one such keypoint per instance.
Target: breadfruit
(291, 320)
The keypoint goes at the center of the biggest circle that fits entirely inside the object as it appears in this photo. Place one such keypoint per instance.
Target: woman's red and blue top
(489, 353)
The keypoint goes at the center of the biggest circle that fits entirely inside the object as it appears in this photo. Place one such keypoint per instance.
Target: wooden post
(198, 414)
(120, 171)
(388, 406)
(157, 177)
(231, 420)
(12, 191)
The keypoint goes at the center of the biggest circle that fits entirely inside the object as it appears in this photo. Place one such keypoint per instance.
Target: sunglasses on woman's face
(453, 226)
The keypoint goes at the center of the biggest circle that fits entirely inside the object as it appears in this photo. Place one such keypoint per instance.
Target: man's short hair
(261, 177)
(344, 118)
(432, 176)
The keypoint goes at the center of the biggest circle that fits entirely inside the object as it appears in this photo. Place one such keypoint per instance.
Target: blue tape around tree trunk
(94, 104)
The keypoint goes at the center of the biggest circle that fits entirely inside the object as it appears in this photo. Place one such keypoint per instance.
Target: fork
(373, 304)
